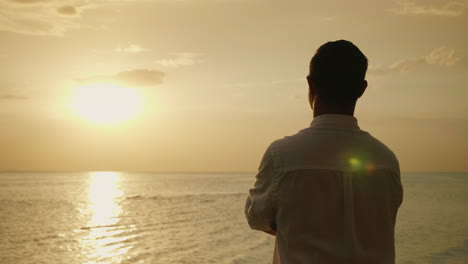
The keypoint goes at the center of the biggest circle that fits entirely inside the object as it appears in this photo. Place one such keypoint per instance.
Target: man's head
(337, 74)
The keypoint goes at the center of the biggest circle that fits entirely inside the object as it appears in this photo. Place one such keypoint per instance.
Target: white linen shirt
(332, 191)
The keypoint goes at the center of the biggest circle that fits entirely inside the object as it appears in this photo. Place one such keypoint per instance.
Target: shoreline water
(193, 218)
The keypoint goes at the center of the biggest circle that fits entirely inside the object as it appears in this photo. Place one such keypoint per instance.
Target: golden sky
(206, 85)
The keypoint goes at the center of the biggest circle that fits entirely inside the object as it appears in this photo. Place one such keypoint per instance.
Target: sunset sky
(206, 85)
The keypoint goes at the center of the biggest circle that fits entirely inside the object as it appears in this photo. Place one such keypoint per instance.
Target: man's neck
(322, 108)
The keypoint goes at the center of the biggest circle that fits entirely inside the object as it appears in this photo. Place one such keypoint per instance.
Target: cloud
(29, 1)
(38, 17)
(46, 17)
(133, 48)
(138, 77)
(406, 65)
(448, 9)
(442, 57)
(281, 82)
(180, 59)
(67, 10)
(12, 97)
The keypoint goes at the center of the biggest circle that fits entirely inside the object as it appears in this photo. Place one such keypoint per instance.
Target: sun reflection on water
(103, 191)
(104, 239)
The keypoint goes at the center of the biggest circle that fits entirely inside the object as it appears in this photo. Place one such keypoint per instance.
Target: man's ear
(309, 81)
(311, 92)
(363, 88)
(311, 85)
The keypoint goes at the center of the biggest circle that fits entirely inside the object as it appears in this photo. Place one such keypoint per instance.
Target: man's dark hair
(338, 70)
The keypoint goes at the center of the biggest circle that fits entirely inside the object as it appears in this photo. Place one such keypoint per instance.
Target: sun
(106, 103)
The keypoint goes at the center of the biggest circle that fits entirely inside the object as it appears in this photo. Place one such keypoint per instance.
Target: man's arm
(259, 207)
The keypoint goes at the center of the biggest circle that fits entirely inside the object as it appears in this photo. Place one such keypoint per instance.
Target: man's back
(333, 192)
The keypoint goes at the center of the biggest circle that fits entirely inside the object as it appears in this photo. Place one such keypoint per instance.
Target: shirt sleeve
(259, 207)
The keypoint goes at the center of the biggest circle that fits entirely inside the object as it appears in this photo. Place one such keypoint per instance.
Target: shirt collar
(336, 121)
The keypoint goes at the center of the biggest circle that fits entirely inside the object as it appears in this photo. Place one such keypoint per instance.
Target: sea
(118, 217)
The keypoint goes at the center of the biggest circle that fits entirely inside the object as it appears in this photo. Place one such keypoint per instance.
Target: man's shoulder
(295, 147)
(377, 147)
(290, 141)
(306, 137)
(311, 146)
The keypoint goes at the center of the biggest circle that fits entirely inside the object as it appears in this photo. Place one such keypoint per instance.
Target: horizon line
(180, 172)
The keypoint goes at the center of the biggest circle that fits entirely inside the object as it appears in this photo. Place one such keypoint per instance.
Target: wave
(203, 196)
(451, 254)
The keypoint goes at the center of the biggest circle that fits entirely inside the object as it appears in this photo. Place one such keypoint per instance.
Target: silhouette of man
(331, 192)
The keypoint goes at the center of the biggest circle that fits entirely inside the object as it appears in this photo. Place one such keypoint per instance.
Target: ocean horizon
(128, 217)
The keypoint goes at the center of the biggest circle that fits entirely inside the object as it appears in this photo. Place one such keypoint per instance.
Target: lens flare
(355, 163)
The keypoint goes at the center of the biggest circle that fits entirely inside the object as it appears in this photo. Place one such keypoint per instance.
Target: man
(329, 193)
